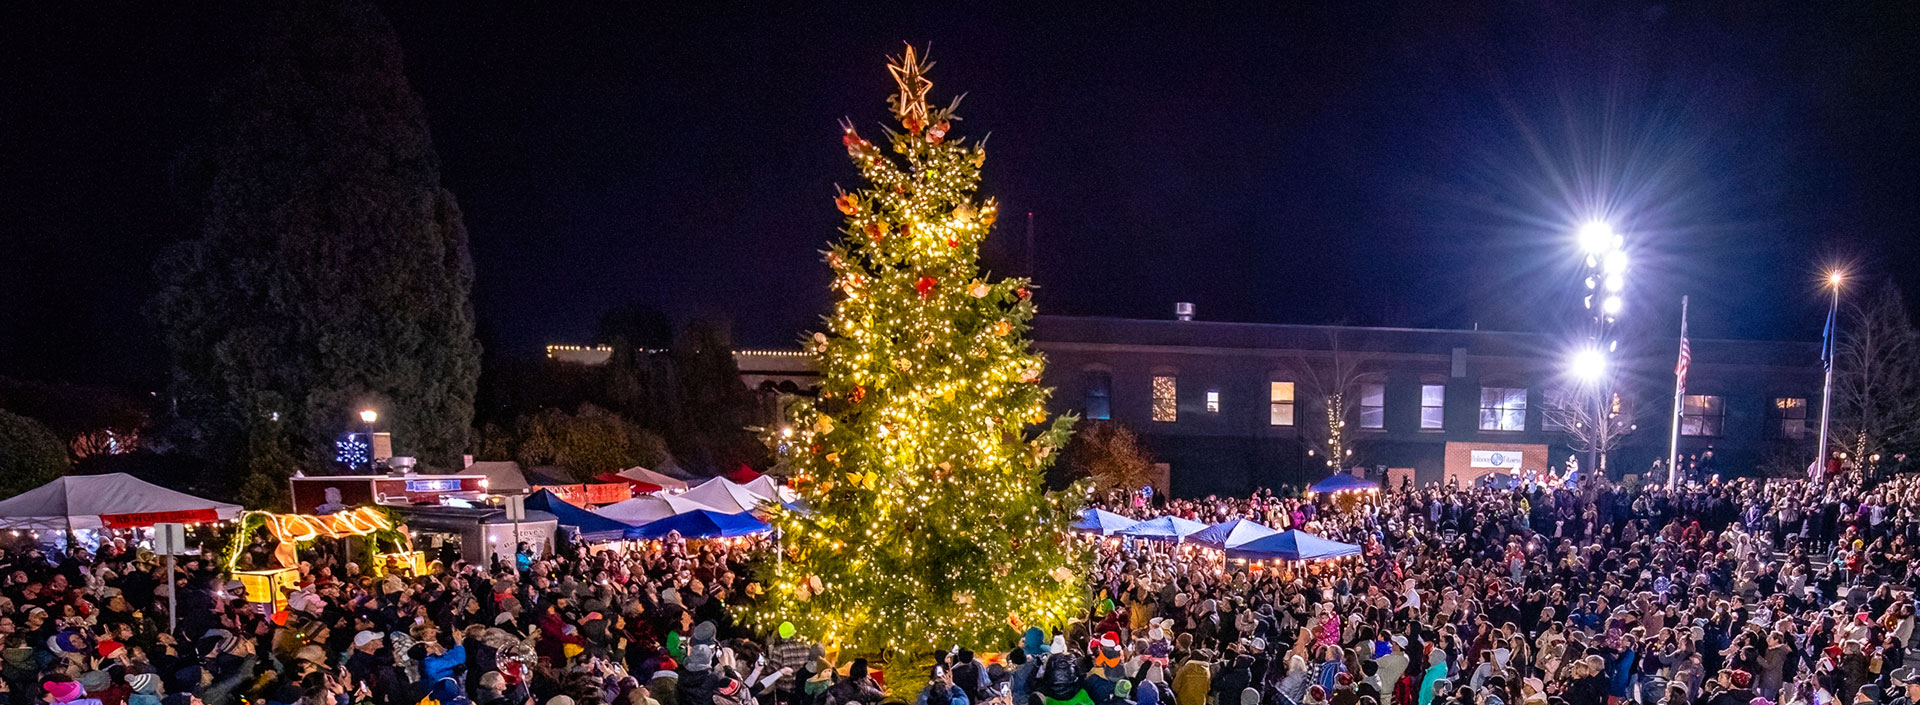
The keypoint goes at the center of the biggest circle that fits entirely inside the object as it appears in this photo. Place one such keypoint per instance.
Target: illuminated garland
(377, 523)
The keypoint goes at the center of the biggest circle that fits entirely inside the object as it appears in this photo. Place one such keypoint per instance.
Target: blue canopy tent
(593, 527)
(704, 524)
(1101, 521)
(1292, 545)
(1162, 529)
(1343, 482)
(1230, 534)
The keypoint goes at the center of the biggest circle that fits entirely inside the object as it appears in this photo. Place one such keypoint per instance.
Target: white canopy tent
(725, 496)
(640, 474)
(767, 488)
(115, 500)
(649, 508)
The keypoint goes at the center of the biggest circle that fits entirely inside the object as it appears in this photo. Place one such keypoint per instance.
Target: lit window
(1099, 401)
(1433, 404)
(1790, 417)
(1213, 401)
(1166, 398)
(1280, 404)
(1702, 415)
(1503, 408)
(1373, 406)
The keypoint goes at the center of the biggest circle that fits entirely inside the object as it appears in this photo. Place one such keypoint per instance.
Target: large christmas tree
(923, 460)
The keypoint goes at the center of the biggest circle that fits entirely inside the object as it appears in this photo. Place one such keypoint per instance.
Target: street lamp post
(367, 417)
(1826, 356)
(1606, 261)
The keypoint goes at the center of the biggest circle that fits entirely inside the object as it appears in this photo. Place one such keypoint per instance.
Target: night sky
(1414, 166)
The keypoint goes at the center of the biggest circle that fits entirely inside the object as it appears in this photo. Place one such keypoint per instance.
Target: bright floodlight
(1615, 283)
(369, 415)
(1589, 364)
(1834, 277)
(1596, 237)
(1616, 262)
(1612, 305)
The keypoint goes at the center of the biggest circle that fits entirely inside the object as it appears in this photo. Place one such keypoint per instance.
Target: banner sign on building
(140, 519)
(1502, 459)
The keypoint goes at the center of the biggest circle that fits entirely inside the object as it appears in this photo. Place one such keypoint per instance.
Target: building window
(1373, 406)
(1503, 408)
(1433, 406)
(1789, 417)
(1702, 415)
(1213, 401)
(1166, 398)
(1280, 404)
(1099, 402)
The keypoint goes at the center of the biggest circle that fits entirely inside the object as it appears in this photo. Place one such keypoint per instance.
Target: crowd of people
(1728, 593)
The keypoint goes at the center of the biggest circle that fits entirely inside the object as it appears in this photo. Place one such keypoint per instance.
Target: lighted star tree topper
(922, 461)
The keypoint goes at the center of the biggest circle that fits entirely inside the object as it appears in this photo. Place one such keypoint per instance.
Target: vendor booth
(1102, 522)
(476, 534)
(1293, 545)
(592, 527)
(1230, 534)
(649, 508)
(1162, 529)
(704, 524)
(111, 501)
(725, 496)
(663, 481)
(365, 535)
(332, 493)
(770, 489)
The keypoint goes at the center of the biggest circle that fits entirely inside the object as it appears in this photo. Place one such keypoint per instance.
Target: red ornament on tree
(924, 286)
(938, 132)
(952, 242)
(859, 393)
(876, 232)
(913, 123)
(1022, 292)
(847, 204)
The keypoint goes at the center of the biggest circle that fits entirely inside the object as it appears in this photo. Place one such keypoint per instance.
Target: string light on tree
(923, 457)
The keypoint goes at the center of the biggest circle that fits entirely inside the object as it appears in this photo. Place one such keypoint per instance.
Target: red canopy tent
(638, 486)
(743, 475)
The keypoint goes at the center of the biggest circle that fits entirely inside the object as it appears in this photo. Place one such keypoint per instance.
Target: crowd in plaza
(1729, 593)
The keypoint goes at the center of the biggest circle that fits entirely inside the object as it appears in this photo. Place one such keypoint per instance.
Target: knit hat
(1123, 688)
(700, 658)
(95, 681)
(108, 648)
(1059, 645)
(146, 683)
(1034, 642)
(64, 691)
(1739, 678)
(703, 633)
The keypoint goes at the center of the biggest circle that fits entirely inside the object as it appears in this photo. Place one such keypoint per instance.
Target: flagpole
(1826, 389)
(1679, 390)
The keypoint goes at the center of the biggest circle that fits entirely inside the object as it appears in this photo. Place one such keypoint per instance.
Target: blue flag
(1826, 341)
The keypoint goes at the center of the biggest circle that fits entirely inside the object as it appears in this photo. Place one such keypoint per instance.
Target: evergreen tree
(924, 458)
(30, 454)
(331, 271)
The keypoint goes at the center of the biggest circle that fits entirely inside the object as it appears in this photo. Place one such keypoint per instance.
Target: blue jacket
(446, 665)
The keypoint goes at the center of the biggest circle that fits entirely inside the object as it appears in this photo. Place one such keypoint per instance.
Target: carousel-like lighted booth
(367, 535)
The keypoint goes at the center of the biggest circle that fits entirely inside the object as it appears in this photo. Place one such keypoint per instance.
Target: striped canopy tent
(1101, 521)
(1230, 534)
(1162, 529)
(1292, 545)
(704, 524)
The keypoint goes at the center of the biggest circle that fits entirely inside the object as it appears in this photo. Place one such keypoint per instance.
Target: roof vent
(1183, 311)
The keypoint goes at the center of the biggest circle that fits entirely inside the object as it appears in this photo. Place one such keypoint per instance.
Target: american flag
(1686, 358)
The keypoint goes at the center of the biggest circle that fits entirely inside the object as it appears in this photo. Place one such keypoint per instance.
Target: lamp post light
(1606, 283)
(1834, 279)
(367, 417)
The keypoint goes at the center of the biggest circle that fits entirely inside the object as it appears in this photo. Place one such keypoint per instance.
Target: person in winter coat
(855, 688)
(1589, 685)
(1191, 681)
(1237, 676)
